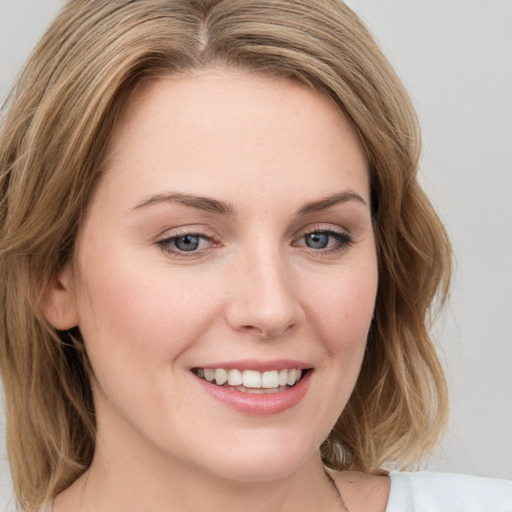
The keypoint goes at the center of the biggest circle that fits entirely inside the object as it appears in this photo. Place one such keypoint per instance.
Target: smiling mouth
(252, 381)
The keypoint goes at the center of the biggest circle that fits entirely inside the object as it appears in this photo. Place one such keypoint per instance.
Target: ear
(59, 304)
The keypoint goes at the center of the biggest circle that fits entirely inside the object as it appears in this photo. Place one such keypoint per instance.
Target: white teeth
(234, 377)
(252, 379)
(221, 376)
(283, 377)
(291, 377)
(270, 379)
(209, 374)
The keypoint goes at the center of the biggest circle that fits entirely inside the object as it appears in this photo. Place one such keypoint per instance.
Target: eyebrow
(332, 200)
(206, 204)
(211, 205)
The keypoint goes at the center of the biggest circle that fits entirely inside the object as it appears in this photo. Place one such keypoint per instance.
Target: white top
(426, 491)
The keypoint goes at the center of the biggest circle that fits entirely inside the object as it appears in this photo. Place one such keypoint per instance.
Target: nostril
(268, 333)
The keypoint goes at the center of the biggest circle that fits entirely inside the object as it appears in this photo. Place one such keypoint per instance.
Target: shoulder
(426, 491)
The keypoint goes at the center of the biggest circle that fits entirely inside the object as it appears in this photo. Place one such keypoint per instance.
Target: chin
(262, 461)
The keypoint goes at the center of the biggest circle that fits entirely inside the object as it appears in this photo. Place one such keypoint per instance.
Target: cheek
(136, 316)
(343, 307)
(341, 312)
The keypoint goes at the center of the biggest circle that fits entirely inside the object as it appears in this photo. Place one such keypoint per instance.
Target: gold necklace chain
(337, 491)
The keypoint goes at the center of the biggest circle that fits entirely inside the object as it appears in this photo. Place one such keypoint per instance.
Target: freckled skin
(148, 313)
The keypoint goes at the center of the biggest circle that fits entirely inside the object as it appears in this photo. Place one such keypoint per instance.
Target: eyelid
(184, 231)
(321, 228)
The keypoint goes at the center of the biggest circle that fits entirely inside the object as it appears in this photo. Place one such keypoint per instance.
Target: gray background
(455, 57)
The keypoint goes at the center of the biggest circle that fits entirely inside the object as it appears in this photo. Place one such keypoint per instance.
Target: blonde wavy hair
(59, 121)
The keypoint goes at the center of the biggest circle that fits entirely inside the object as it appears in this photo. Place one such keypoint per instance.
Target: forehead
(221, 130)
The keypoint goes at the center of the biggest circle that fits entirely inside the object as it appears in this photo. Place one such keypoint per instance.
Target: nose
(263, 297)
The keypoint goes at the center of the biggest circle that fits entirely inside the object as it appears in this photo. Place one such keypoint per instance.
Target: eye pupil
(187, 243)
(317, 240)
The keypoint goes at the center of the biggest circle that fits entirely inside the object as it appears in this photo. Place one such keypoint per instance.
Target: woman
(218, 266)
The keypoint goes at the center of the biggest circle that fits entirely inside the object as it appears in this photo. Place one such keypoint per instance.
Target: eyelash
(167, 244)
(342, 238)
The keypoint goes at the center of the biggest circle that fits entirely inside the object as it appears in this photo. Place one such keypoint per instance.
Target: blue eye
(187, 242)
(325, 241)
(317, 240)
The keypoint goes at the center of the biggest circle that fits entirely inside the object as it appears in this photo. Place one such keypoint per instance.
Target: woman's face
(229, 237)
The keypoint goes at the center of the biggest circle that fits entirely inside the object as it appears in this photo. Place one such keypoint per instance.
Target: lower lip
(256, 404)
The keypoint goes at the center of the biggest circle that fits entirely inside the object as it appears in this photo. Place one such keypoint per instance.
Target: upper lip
(257, 364)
